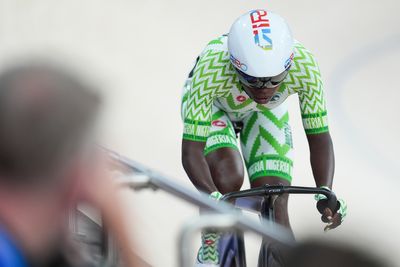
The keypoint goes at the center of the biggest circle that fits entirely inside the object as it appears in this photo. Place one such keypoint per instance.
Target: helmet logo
(289, 61)
(261, 28)
(241, 66)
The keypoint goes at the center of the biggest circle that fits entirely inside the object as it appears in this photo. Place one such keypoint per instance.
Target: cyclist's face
(260, 95)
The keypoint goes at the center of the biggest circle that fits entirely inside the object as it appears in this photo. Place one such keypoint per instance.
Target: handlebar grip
(330, 202)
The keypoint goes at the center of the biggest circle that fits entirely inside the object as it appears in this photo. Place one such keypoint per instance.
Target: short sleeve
(198, 100)
(310, 91)
(209, 80)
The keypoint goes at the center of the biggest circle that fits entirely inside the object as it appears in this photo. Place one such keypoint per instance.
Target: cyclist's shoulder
(217, 46)
(214, 61)
(219, 43)
(302, 56)
(304, 70)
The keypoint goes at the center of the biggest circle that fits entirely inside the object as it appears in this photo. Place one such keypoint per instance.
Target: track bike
(262, 201)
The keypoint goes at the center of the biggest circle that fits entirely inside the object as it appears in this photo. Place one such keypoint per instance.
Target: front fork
(267, 213)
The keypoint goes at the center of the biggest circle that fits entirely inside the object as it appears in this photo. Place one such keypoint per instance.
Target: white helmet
(260, 44)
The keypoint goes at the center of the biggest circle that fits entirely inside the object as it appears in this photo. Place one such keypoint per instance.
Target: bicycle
(103, 251)
(261, 200)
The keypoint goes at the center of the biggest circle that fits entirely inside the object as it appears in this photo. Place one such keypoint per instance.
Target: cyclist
(239, 85)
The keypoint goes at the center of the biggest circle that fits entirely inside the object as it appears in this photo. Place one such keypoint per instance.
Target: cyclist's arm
(196, 167)
(315, 122)
(200, 91)
(314, 116)
(196, 113)
(322, 158)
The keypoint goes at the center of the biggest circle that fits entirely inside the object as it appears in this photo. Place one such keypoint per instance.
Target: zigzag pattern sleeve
(310, 90)
(197, 116)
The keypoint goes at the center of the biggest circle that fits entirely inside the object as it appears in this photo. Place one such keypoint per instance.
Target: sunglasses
(261, 83)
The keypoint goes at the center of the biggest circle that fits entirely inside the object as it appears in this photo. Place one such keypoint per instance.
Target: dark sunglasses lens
(279, 78)
(267, 82)
(247, 78)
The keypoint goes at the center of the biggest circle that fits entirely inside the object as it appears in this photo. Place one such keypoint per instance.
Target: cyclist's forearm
(322, 158)
(196, 167)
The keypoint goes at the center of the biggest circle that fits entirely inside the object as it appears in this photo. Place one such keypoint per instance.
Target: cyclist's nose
(266, 92)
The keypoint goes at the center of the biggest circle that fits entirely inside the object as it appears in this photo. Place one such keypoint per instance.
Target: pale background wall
(141, 51)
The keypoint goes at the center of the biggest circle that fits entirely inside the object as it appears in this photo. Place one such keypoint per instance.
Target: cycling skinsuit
(213, 98)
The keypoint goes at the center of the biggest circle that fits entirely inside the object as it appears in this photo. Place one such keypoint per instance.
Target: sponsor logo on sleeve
(289, 61)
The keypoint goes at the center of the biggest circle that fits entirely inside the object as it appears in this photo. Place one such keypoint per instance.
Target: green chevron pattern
(281, 149)
(266, 162)
(305, 79)
(267, 136)
(217, 41)
(280, 123)
(215, 79)
(208, 252)
(234, 106)
(266, 144)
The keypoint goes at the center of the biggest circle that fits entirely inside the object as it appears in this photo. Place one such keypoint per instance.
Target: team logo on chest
(261, 29)
(241, 98)
(276, 97)
(218, 123)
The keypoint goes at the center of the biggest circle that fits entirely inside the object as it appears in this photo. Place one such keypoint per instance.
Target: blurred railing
(138, 177)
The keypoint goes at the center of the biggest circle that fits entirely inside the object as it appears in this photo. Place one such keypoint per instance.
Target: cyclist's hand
(216, 195)
(333, 218)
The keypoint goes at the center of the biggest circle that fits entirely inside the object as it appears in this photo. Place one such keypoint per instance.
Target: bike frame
(137, 177)
(227, 219)
(266, 194)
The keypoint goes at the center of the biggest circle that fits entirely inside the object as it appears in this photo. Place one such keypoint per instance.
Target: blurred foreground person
(47, 165)
(318, 254)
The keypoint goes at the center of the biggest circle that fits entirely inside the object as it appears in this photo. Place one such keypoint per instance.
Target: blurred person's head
(318, 253)
(45, 114)
(46, 117)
